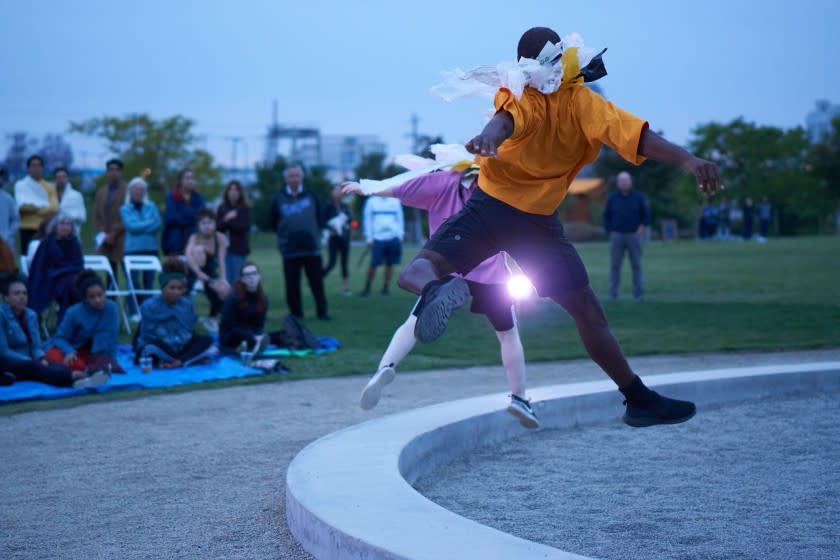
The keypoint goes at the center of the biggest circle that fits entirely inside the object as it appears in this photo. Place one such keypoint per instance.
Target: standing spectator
(337, 218)
(765, 211)
(626, 216)
(9, 217)
(206, 251)
(179, 221)
(87, 336)
(234, 219)
(70, 201)
(243, 315)
(296, 216)
(748, 210)
(21, 355)
(167, 331)
(724, 219)
(36, 200)
(54, 267)
(384, 230)
(110, 233)
(708, 220)
(142, 223)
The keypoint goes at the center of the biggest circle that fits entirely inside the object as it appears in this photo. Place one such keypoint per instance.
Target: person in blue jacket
(87, 336)
(167, 329)
(21, 355)
(142, 224)
(180, 220)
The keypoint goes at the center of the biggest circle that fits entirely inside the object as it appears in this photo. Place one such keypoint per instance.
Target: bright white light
(519, 287)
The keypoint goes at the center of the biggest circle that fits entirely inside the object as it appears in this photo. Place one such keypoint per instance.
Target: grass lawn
(701, 297)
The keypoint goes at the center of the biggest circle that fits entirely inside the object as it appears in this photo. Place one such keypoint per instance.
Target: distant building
(818, 122)
(245, 175)
(342, 154)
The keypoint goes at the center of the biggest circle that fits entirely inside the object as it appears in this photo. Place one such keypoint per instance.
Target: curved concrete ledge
(349, 494)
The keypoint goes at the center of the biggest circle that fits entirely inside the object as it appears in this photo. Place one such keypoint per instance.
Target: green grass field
(701, 297)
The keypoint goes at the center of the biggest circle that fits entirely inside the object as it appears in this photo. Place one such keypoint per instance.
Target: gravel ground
(201, 474)
(755, 480)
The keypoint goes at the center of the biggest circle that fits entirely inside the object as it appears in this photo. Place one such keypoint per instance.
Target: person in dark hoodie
(180, 219)
(296, 216)
(54, 267)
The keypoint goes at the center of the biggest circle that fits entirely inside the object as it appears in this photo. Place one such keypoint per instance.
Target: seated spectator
(87, 336)
(167, 330)
(142, 223)
(8, 265)
(21, 355)
(54, 267)
(206, 252)
(244, 311)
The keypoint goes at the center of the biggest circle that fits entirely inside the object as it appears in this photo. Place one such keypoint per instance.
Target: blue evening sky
(366, 66)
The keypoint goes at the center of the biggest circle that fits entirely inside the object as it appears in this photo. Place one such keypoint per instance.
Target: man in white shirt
(70, 201)
(384, 227)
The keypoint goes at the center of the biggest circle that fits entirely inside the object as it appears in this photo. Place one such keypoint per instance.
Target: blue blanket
(223, 368)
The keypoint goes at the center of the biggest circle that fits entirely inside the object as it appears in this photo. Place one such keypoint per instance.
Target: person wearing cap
(444, 194)
(167, 329)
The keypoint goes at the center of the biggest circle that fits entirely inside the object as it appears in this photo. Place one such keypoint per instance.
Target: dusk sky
(364, 67)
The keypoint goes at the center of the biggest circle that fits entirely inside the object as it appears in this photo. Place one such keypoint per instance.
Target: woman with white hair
(142, 223)
(54, 267)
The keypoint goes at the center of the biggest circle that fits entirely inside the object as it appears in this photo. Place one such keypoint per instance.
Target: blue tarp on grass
(223, 368)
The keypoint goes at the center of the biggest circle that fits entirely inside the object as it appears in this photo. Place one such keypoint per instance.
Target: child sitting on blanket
(167, 329)
(87, 336)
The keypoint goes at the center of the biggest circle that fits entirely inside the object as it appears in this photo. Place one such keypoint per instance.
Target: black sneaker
(436, 305)
(658, 410)
(521, 408)
(7, 378)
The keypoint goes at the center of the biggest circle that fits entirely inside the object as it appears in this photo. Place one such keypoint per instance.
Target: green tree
(155, 148)
(764, 160)
(824, 165)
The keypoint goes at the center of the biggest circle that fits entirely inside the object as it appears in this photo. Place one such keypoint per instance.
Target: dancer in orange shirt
(530, 152)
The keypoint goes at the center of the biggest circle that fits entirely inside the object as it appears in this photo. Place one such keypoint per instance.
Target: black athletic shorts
(486, 226)
(491, 300)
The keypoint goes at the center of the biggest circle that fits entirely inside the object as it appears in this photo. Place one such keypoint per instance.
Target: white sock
(401, 344)
(513, 358)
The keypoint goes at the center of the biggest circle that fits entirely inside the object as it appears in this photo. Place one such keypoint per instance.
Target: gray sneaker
(95, 379)
(373, 390)
(524, 413)
(437, 304)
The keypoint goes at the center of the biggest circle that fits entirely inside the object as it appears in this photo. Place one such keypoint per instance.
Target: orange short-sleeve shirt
(554, 136)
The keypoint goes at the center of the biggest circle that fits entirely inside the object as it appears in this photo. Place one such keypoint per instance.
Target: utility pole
(234, 140)
(417, 222)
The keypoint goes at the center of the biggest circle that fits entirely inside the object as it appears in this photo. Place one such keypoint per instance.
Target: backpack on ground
(294, 335)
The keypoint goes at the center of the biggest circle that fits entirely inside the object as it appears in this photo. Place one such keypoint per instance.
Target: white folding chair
(24, 265)
(100, 263)
(140, 263)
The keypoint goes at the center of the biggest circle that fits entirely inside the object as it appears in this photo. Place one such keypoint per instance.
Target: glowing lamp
(519, 287)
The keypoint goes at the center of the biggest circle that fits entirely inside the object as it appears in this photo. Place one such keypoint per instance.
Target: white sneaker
(135, 318)
(524, 413)
(95, 379)
(373, 390)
